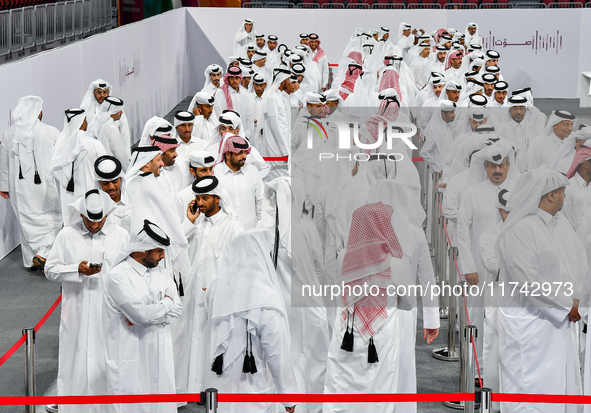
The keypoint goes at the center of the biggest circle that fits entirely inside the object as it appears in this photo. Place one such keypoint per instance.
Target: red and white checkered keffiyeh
(582, 153)
(372, 243)
(227, 145)
(165, 146)
(388, 112)
(453, 55)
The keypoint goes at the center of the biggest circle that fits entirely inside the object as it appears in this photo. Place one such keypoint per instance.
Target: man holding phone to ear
(210, 225)
(81, 255)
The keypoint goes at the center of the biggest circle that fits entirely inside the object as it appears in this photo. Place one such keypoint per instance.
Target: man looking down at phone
(81, 256)
(210, 226)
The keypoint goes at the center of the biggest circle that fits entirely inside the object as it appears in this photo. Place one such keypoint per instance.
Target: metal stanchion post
(434, 215)
(459, 405)
(485, 400)
(442, 261)
(29, 366)
(469, 339)
(211, 400)
(449, 353)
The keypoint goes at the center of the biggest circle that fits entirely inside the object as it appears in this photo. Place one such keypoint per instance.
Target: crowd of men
(184, 259)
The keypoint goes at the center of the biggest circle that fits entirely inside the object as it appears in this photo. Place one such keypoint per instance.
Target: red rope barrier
(22, 340)
(294, 398)
(276, 159)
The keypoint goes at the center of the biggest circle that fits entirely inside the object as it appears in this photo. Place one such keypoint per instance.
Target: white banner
(539, 48)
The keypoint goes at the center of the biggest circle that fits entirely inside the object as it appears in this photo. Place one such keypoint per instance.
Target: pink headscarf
(388, 112)
(319, 52)
(351, 76)
(234, 144)
(234, 72)
(356, 56)
(390, 79)
(582, 153)
(453, 55)
(371, 245)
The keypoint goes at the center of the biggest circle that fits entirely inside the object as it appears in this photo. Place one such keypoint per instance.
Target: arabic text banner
(539, 48)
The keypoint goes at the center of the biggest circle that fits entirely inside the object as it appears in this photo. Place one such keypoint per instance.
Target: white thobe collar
(516, 124)
(124, 200)
(579, 181)
(225, 169)
(214, 219)
(556, 139)
(191, 140)
(546, 217)
(139, 268)
(105, 230)
(496, 188)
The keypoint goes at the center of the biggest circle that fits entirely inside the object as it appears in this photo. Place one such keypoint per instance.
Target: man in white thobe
(273, 129)
(537, 334)
(578, 193)
(242, 181)
(231, 96)
(489, 171)
(97, 91)
(25, 156)
(488, 257)
(413, 269)
(81, 257)
(204, 123)
(72, 163)
(140, 303)
(210, 225)
(109, 173)
(200, 163)
(246, 298)
(560, 125)
(318, 57)
(364, 353)
(173, 174)
(297, 258)
(516, 130)
(105, 129)
(213, 75)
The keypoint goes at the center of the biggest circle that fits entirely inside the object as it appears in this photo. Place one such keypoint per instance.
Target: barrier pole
(449, 353)
(469, 338)
(463, 316)
(442, 244)
(434, 214)
(29, 333)
(485, 400)
(211, 400)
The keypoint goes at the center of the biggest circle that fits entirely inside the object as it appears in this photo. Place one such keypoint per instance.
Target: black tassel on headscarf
(37, 179)
(181, 289)
(218, 365)
(246, 363)
(20, 172)
(70, 187)
(372, 353)
(249, 365)
(253, 364)
(347, 343)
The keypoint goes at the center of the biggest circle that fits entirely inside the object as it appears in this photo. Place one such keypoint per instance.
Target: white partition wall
(146, 63)
(155, 63)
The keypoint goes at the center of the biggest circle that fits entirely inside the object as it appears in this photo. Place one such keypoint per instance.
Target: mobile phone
(195, 207)
(95, 265)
